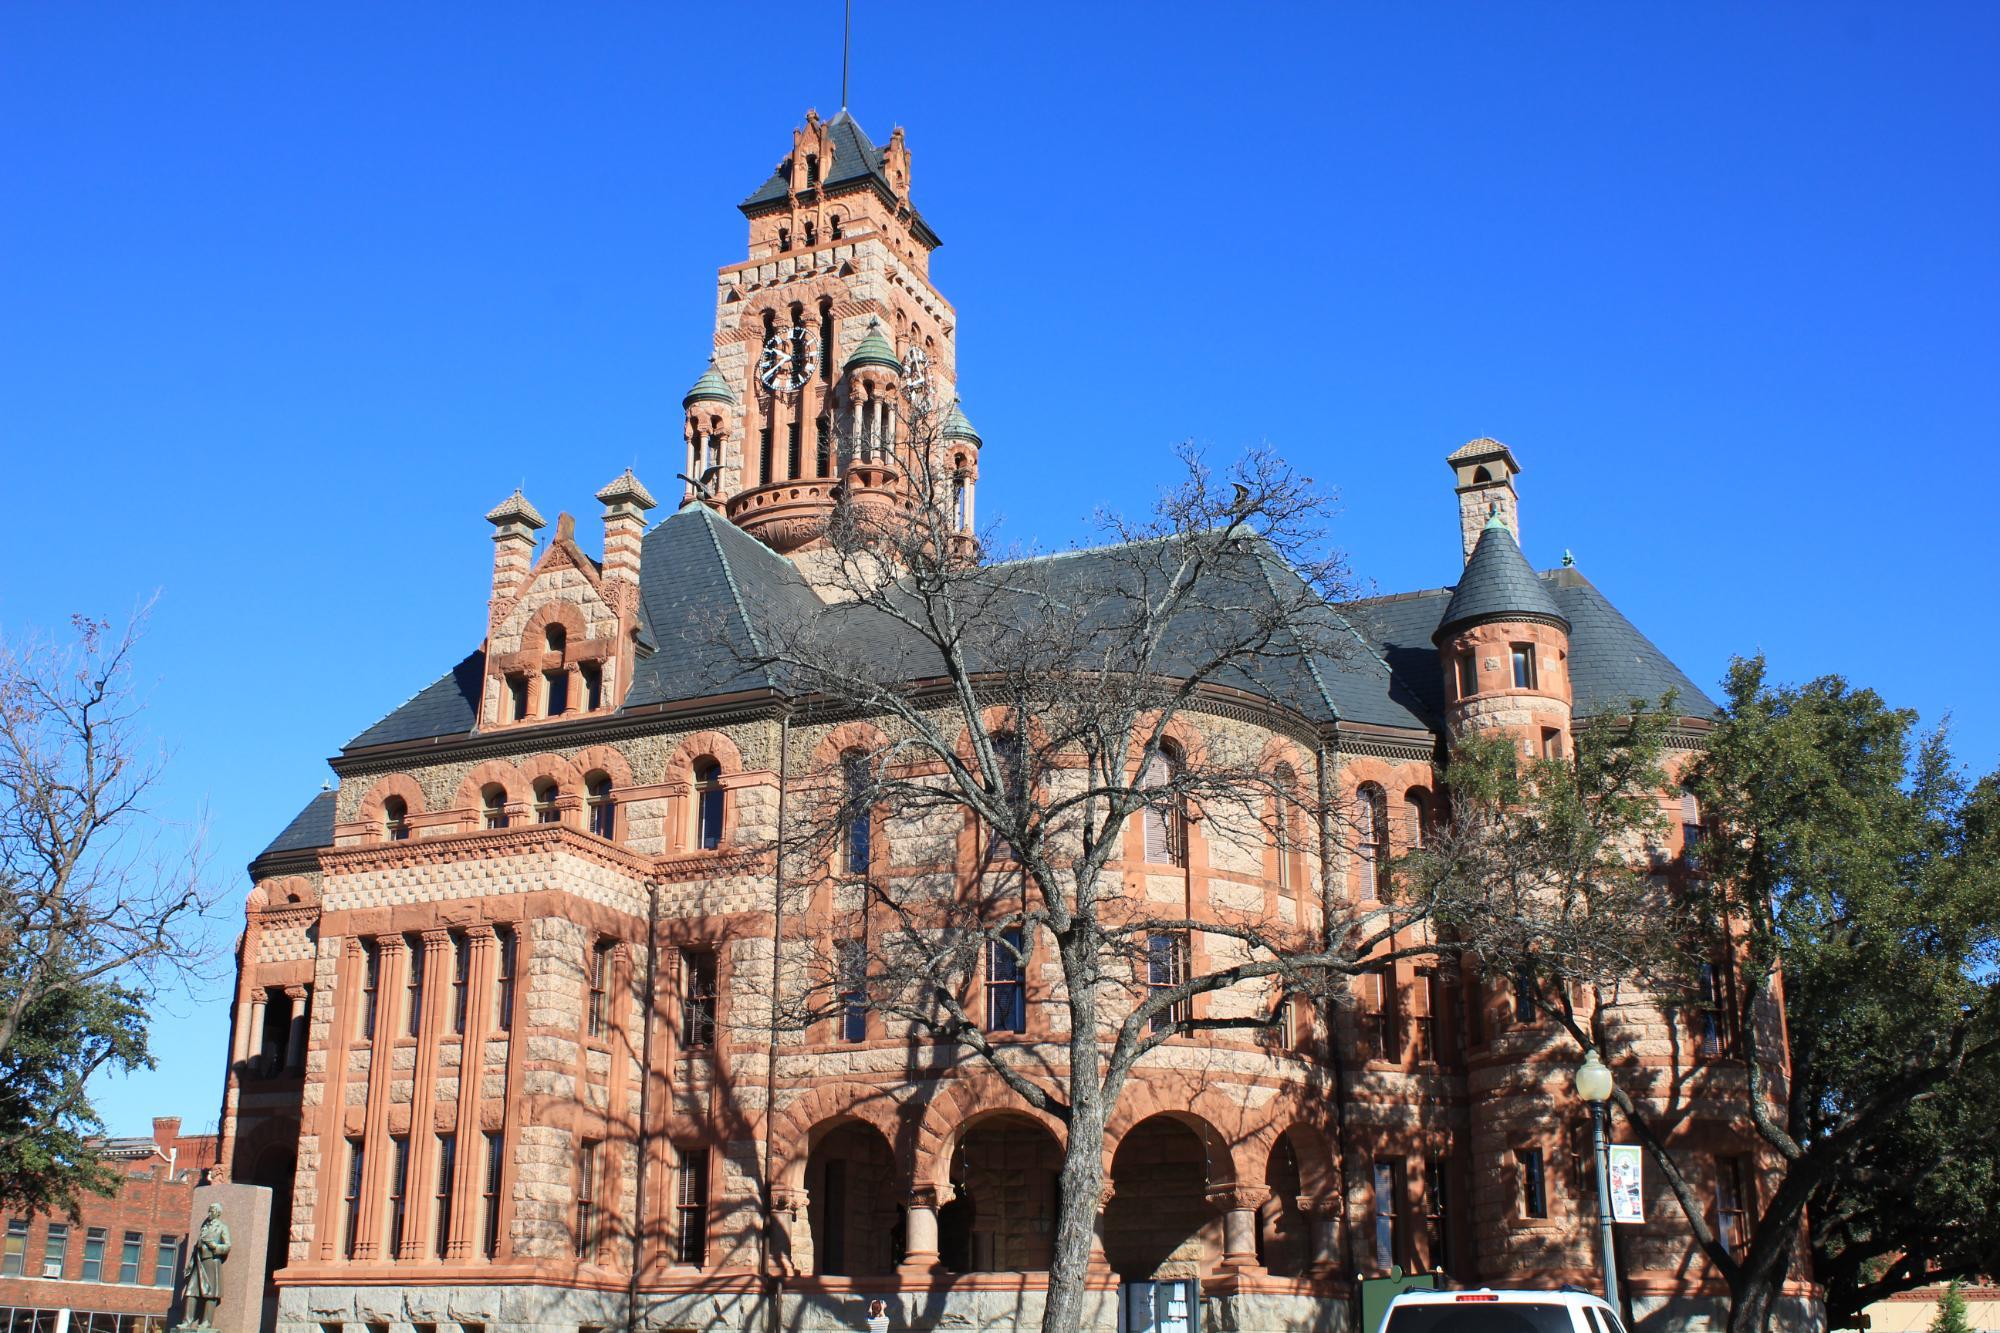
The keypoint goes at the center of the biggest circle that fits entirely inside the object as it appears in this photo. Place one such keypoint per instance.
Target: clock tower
(832, 348)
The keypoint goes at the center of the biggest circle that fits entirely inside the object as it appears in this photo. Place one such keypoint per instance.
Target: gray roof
(1498, 583)
(856, 160)
(447, 705)
(312, 827)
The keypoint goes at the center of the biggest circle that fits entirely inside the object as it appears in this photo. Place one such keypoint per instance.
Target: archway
(1284, 1239)
(1159, 1224)
(851, 1202)
(1001, 1217)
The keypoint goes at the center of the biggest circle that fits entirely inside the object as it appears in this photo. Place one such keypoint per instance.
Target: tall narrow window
(555, 693)
(822, 448)
(812, 170)
(1167, 968)
(708, 804)
(1006, 992)
(1732, 1207)
(1552, 743)
(1691, 829)
(55, 1250)
(1714, 1016)
(371, 981)
(854, 774)
(764, 454)
(356, 1164)
(691, 1207)
(395, 819)
(833, 226)
(166, 1260)
(496, 1161)
(461, 976)
(1534, 1183)
(697, 999)
(812, 232)
(593, 681)
(1284, 783)
(794, 457)
(586, 1199)
(1378, 1013)
(826, 344)
(493, 805)
(517, 697)
(399, 1182)
(603, 809)
(784, 240)
(1165, 818)
(503, 990)
(1468, 675)
(1007, 757)
(1371, 819)
(547, 794)
(958, 503)
(1524, 666)
(853, 956)
(600, 987)
(1527, 1006)
(1423, 1019)
(1417, 816)
(447, 1184)
(1437, 1212)
(14, 1257)
(93, 1254)
(1389, 1228)
(413, 1001)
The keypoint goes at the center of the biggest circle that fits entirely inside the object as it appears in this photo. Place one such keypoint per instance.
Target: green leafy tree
(1951, 1316)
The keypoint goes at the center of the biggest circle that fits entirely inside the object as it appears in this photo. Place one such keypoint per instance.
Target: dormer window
(396, 819)
(593, 686)
(812, 170)
(557, 638)
(546, 795)
(555, 689)
(517, 697)
(493, 805)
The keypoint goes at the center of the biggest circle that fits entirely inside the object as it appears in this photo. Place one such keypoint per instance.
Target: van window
(1479, 1317)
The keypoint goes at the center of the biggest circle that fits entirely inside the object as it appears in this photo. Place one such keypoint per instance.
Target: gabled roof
(312, 827)
(446, 706)
(1498, 584)
(856, 160)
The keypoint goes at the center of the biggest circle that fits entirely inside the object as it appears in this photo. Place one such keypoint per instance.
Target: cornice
(482, 844)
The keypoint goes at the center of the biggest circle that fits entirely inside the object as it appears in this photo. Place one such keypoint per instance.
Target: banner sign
(1628, 1199)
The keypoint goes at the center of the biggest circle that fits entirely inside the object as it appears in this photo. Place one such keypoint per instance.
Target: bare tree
(1045, 704)
(102, 906)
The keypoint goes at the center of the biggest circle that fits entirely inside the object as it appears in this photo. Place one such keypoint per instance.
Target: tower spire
(846, 40)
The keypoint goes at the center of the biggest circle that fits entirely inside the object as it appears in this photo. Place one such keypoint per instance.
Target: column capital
(436, 938)
(1233, 1198)
(481, 932)
(389, 944)
(296, 992)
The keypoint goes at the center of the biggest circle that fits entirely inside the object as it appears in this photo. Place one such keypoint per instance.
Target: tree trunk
(1760, 1282)
(1082, 1186)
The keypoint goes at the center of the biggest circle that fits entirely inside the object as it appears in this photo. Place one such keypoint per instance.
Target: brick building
(501, 1039)
(111, 1266)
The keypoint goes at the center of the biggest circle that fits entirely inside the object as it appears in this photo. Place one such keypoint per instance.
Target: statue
(203, 1278)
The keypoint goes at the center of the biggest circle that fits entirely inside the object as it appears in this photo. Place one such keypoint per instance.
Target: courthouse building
(501, 1041)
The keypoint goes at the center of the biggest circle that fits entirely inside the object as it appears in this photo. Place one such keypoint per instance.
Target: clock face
(917, 375)
(787, 362)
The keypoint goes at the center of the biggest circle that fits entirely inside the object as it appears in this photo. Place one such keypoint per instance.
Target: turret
(874, 376)
(1504, 647)
(960, 446)
(515, 523)
(710, 406)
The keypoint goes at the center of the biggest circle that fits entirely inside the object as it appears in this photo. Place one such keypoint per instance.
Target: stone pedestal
(247, 1211)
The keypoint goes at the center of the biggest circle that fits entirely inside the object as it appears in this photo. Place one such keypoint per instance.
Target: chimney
(514, 523)
(166, 1129)
(1485, 470)
(625, 502)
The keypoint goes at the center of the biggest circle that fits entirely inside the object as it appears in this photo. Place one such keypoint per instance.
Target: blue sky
(293, 294)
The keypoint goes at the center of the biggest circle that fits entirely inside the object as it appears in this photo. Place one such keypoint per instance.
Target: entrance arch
(1284, 1238)
(1160, 1224)
(851, 1208)
(1003, 1177)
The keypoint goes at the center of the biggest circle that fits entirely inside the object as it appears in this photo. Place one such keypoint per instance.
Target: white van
(1489, 1310)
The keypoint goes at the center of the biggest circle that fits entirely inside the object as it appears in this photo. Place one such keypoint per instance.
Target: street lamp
(1593, 1085)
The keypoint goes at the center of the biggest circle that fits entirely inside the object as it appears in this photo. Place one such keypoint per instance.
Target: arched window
(1165, 819)
(396, 818)
(1284, 825)
(812, 170)
(812, 232)
(1371, 824)
(546, 795)
(493, 805)
(958, 502)
(784, 239)
(1013, 775)
(557, 637)
(826, 338)
(603, 809)
(833, 226)
(708, 797)
(1417, 816)
(856, 782)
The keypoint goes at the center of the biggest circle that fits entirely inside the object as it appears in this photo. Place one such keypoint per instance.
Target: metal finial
(846, 32)
(1569, 561)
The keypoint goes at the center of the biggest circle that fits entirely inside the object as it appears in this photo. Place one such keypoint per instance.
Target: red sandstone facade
(502, 1039)
(113, 1265)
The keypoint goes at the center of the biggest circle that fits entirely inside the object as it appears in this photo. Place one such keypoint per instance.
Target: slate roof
(311, 827)
(855, 159)
(1498, 583)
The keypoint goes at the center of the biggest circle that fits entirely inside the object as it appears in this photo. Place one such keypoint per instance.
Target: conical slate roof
(710, 388)
(874, 351)
(956, 427)
(1498, 584)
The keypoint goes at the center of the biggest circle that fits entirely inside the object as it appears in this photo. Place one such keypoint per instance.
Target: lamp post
(1593, 1085)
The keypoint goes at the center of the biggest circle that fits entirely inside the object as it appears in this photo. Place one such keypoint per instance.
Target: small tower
(1486, 470)
(710, 407)
(961, 459)
(515, 523)
(1504, 647)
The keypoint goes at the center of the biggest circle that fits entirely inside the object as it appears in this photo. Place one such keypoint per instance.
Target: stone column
(920, 1232)
(420, 1180)
(1239, 1204)
(295, 1040)
(793, 1252)
(1322, 1213)
(259, 998)
(485, 950)
(1098, 1272)
(378, 1157)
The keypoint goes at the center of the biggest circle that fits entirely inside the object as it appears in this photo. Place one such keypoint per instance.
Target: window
(1527, 1006)
(708, 797)
(812, 170)
(593, 682)
(1166, 968)
(764, 454)
(1165, 819)
(1534, 1183)
(853, 955)
(1006, 983)
(603, 809)
(1371, 820)
(14, 1256)
(1468, 675)
(555, 638)
(490, 1197)
(1732, 1208)
(461, 976)
(855, 776)
(547, 793)
(784, 239)
(1285, 781)
(1378, 1014)
(1437, 1213)
(697, 999)
(56, 1250)
(1524, 666)
(1428, 1002)
(833, 226)
(447, 1181)
(812, 232)
(958, 513)
(395, 819)
(826, 352)
(371, 981)
(1715, 1012)
(822, 447)
(1388, 1212)
(503, 990)
(493, 805)
(93, 1254)
(691, 1206)
(555, 691)
(1690, 829)
(399, 1182)
(356, 1160)
(128, 1256)
(586, 1200)
(166, 1261)
(794, 457)
(1552, 743)
(414, 995)
(517, 697)
(1417, 816)
(600, 983)
(1007, 756)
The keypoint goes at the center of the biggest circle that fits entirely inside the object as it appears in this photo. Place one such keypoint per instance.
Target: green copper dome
(874, 351)
(956, 427)
(710, 388)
